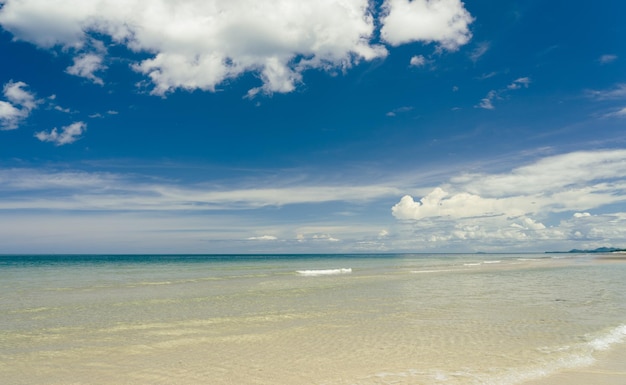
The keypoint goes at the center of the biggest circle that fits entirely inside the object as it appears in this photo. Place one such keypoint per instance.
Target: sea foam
(314, 273)
(613, 337)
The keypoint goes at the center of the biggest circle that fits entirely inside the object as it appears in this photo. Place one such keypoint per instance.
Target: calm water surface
(318, 319)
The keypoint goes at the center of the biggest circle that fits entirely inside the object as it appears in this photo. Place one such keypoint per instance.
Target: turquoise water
(314, 319)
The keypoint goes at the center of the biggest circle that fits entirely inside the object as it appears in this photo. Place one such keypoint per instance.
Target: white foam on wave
(615, 336)
(430, 271)
(315, 273)
(558, 359)
(490, 262)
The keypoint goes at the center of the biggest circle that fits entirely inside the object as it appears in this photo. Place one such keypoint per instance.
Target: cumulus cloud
(18, 105)
(511, 205)
(68, 134)
(439, 203)
(86, 65)
(325, 237)
(197, 44)
(487, 102)
(445, 22)
(417, 61)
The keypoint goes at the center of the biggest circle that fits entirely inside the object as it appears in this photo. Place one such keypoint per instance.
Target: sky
(297, 126)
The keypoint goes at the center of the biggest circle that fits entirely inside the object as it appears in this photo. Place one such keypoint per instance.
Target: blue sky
(311, 126)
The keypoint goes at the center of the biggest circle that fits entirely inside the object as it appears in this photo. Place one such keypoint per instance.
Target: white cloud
(263, 238)
(200, 44)
(18, 105)
(479, 51)
(605, 59)
(97, 191)
(621, 113)
(519, 83)
(399, 110)
(325, 237)
(69, 134)
(64, 110)
(10, 116)
(559, 173)
(497, 207)
(417, 61)
(487, 102)
(445, 22)
(85, 65)
(617, 92)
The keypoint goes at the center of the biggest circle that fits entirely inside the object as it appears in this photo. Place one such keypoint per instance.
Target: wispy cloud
(487, 102)
(96, 191)
(619, 113)
(519, 83)
(617, 92)
(399, 110)
(605, 59)
(479, 51)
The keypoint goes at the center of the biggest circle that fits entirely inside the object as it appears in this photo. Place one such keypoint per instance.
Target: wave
(557, 359)
(604, 342)
(315, 273)
(431, 271)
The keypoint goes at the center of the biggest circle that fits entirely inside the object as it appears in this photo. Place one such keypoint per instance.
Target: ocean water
(306, 319)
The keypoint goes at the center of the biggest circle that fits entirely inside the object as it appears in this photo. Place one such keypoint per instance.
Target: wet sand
(609, 369)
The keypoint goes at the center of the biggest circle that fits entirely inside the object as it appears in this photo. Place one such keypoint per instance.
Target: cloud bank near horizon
(197, 44)
(548, 200)
(568, 199)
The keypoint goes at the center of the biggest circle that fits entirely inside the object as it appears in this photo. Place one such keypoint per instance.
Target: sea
(423, 319)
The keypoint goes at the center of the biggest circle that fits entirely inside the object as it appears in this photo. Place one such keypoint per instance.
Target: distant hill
(598, 250)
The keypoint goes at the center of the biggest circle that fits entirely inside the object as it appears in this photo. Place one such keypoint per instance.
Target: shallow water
(322, 319)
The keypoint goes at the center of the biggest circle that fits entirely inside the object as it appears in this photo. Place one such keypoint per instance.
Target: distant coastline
(598, 250)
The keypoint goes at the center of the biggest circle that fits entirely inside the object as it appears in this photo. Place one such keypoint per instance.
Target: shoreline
(608, 369)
